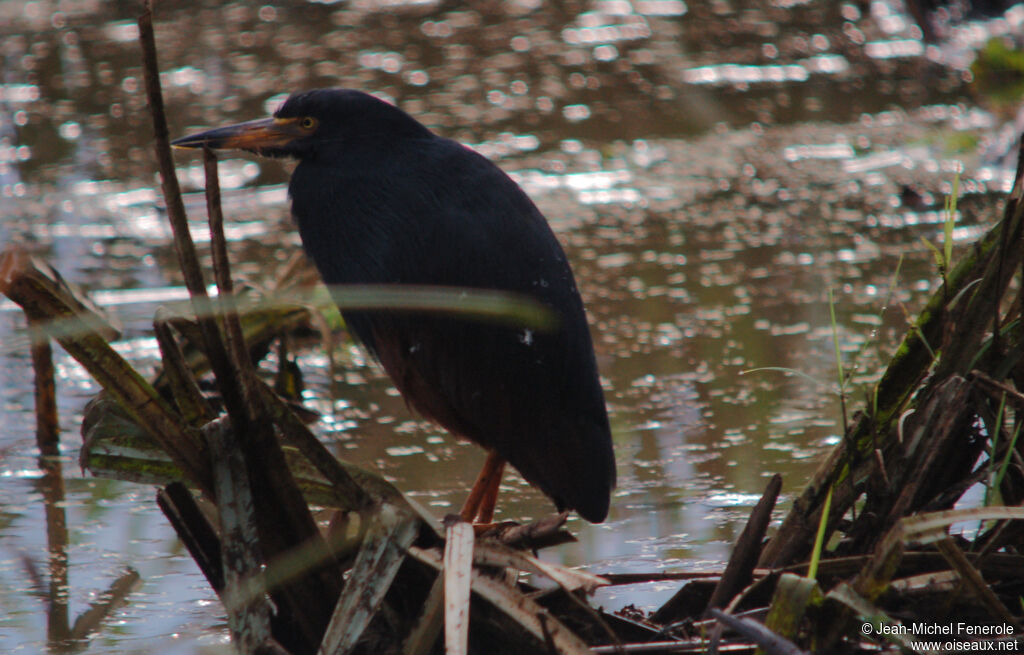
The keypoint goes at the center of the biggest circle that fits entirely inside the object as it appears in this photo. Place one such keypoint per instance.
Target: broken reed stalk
(213, 343)
(458, 570)
(740, 569)
(965, 327)
(222, 269)
(47, 431)
(183, 243)
(382, 554)
(195, 531)
(241, 555)
(44, 297)
(181, 381)
(47, 301)
(530, 617)
(847, 466)
(351, 495)
(856, 599)
(284, 521)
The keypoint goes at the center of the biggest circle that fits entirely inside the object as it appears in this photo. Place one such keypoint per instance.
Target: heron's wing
(533, 396)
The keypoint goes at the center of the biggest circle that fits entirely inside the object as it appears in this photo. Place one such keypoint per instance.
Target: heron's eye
(308, 123)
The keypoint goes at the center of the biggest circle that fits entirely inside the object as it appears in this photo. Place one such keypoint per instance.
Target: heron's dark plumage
(380, 199)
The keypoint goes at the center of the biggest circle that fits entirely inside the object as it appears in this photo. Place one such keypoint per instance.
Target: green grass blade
(783, 369)
(990, 490)
(947, 228)
(819, 539)
(1006, 459)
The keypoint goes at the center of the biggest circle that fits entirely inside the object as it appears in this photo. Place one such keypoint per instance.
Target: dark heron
(379, 198)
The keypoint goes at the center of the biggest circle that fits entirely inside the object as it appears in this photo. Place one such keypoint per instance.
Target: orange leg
(485, 513)
(479, 506)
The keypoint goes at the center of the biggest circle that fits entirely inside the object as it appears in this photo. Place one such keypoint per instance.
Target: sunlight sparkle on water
(731, 500)
(898, 49)
(599, 27)
(19, 93)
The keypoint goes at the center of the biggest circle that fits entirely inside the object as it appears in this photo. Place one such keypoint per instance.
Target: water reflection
(712, 169)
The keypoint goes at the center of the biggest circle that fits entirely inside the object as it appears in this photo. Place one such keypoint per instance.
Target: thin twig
(183, 243)
(213, 344)
(222, 265)
(1013, 396)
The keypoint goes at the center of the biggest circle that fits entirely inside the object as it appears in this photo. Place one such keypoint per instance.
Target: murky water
(713, 171)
